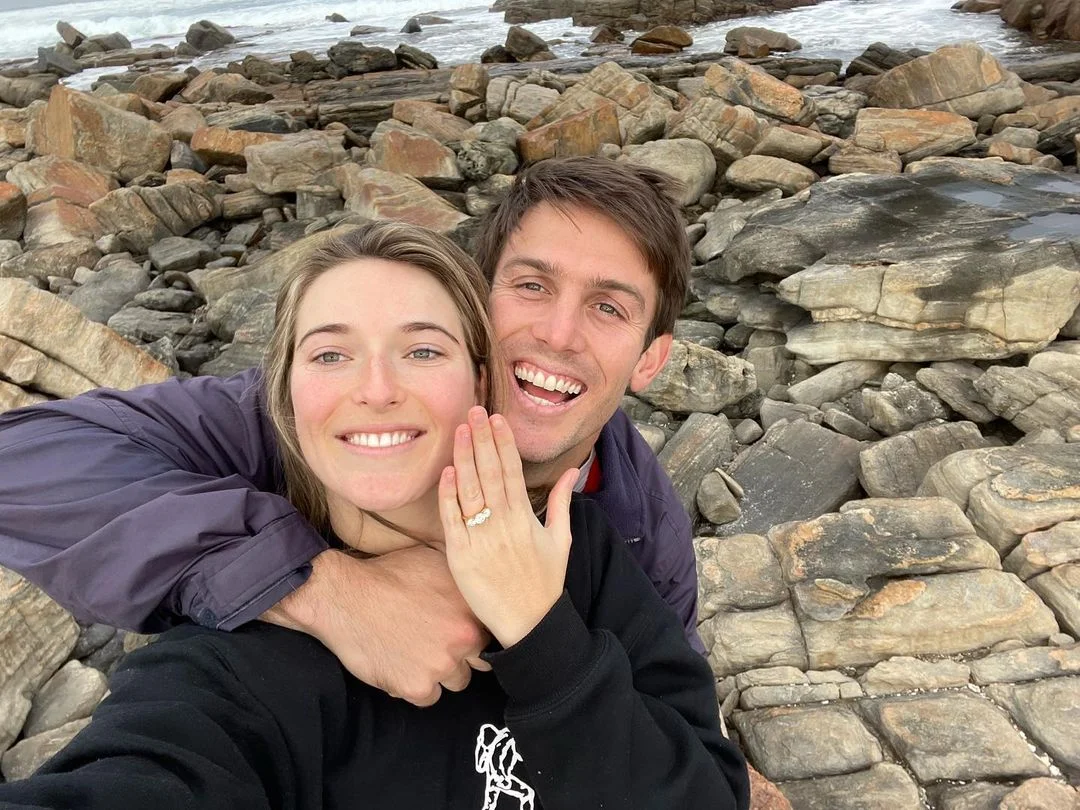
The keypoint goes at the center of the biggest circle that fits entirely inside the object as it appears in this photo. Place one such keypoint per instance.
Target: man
(137, 508)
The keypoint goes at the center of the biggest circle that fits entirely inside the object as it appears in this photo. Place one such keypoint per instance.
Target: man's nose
(560, 327)
(377, 384)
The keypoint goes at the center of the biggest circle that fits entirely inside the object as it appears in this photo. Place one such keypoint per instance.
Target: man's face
(572, 301)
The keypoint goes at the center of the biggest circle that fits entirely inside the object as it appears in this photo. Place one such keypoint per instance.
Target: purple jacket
(138, 508)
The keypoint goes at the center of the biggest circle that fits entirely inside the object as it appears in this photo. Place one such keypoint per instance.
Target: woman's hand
(509, 568)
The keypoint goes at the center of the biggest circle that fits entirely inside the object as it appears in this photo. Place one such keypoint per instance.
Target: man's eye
(608, 309)
(327, 358)
(532, 286)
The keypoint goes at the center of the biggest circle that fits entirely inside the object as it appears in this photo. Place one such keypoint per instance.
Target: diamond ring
(479, 517)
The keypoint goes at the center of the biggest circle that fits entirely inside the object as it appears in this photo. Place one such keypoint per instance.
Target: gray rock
(843, 422)
(881, 537)
(773, 411)
(799, 743)
(39, 635)
(737, 573)
(760, 697)
(703, 443)
(835, 381)
(70, 34)
(954, 383)
(837, 108)
(895, 467)
(689, 161)
(254, 119)
(974, 796)
(1044, 394)
(1048, 711)
(92, 638)
(50, 60)
(412, 58)
(1008, 492)
(169, 300)
(479, 160)
(696, 379)
(524, 44)
(1035, 794)
(109, 290)
(704, 333)
(715, 500)
(754, 638)
(953, 736)
(1038, 552)
(1026, 664)
(71, 694)
(28, 755)
(1060, 589)
(180, 253)
(902, 674)
(747, 431)
(355, 57)
(901, 405)
(206, 36)
(796, 471)
(883, 785)
(141, 325)
(936, 615)
(770, 676)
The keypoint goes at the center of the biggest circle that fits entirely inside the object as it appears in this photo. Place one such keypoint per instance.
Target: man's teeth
(548, 382)
(380, 439)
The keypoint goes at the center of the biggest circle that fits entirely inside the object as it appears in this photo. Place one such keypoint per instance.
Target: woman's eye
(327, 358)
(425, 353)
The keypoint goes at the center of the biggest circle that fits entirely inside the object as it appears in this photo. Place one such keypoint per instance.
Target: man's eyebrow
(596, 283)
(424, 326)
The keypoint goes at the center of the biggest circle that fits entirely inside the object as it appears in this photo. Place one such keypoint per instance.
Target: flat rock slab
(1038, 552)
(798, 470)
(974, 796)
(1049, 711)
(883, 785)
(800, 743)
(902, 673)
(895, 467)
(1028, 664)
(1008, 492)
(703, 443)
(953, 736)
(1060, 589)
(939, 614)
(739, 572)
(881, 537)
(743, 640)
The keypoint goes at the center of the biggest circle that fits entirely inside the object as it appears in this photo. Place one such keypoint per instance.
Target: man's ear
(651, 361)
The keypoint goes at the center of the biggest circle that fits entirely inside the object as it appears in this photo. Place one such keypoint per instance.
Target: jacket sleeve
(140, 507)
(178, 732)
(614, 709)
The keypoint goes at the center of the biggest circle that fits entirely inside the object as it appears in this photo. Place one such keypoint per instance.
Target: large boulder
(226, 147)
(206, 36)
(696, 378)
(689, 161)
(402, 149)
(962, 79)
(577, 134)
(730, 131)
(229, 88)
(736, 82)
(912, 134)
(377, 194)
(12, 211)
(81, 127)
(141, 216)
(355, 57)
(284, 166)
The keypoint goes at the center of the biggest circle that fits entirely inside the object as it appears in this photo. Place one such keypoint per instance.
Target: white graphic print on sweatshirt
(496, 759)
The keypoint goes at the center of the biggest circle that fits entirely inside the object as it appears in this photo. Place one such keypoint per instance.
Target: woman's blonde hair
(391, 241)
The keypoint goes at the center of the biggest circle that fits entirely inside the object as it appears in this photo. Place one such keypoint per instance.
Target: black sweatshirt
(603, 705)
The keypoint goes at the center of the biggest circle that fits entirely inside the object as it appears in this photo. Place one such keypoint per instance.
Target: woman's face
(381, 378)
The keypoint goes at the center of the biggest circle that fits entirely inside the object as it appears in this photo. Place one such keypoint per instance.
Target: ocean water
(274, 28)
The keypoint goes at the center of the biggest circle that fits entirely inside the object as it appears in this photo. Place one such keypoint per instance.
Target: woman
(594, 698)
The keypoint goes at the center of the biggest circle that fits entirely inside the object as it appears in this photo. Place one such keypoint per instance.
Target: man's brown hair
(640, 200)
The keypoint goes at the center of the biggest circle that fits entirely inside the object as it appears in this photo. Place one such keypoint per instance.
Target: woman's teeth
(380, 439)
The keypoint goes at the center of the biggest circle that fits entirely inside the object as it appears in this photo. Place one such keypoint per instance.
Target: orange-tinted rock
(580, 134)
(378, 194)
(226, 146)
(764, 795)
(50, 177)
(403, 150)
(58, 221)
(12, 211)
(912, 134)
(79, 126)
(739, 83)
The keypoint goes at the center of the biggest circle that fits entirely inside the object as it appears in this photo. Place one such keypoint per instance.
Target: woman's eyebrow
(423, 326)
(328, 328)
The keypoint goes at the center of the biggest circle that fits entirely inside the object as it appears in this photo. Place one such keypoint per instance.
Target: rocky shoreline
(872, 408)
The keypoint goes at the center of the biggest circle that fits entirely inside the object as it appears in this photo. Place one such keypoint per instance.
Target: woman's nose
(377, 385)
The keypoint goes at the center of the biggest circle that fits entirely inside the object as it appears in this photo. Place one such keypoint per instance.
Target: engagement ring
(479, 517)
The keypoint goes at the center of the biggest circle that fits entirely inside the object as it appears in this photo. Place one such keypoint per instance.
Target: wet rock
(799, 743)
(737, 573)
(962, 79)
(731, 132)
(1027, 664)
(761, 173)
(1008, 492)
(1048, 712)
(880, 537)
(736, 82)
(525, 46)
(796, 471)
(940, 614)
(39, 635)
(882, 785)
(912, 134)
(57, 329)
(702, 443)
(411, 58)
(206, 36)
(895, 467)
(662, 39)
(953, 736)
(1044, 394)
(879, 58)
(31, 753)
(689, 161)
(738, 641)
(1038, 552)
(1060, 589)
(773, 40)
(697, 379)
(902, 674)
(354, 57)
(107, 138)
